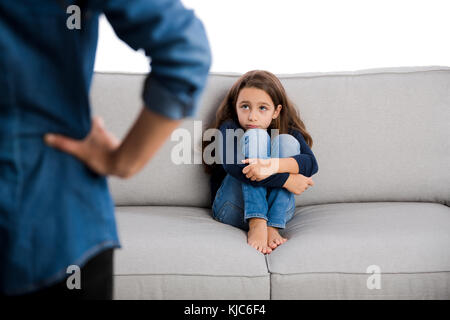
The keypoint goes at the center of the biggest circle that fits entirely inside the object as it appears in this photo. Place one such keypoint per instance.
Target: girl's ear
(277, 111)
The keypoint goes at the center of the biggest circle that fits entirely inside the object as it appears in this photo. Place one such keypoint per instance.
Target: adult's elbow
(124, 173)
(203, 47)
(123, 170)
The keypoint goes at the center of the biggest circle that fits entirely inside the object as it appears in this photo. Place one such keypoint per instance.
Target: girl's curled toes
(257, 235)
(274, 239)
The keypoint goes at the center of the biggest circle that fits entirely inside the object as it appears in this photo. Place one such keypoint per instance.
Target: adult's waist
(36, 179)
(23, 123)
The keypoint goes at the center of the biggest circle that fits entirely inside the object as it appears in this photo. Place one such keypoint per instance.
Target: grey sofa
(376, 225)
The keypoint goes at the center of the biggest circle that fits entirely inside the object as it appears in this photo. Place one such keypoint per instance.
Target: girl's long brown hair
(267, 81)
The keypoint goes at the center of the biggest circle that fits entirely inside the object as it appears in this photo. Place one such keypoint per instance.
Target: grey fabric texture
(379, 135)
(381, 196)
(337, 246)
(349, 237)
(190, 287)
(351, 286)
(182, 253)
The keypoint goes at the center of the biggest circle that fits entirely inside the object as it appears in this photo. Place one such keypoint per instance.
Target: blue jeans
(236, 202)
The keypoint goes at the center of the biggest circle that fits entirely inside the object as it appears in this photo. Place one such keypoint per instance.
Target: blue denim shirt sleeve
(275, 181)
(307, 163)
(176, 42)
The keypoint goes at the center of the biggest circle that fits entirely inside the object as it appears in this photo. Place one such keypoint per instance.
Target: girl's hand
(298, 183)
(96, 150)
(260, 169)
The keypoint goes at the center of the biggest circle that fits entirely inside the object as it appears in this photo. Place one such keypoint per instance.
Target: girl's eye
(244, 105)
(263, 107)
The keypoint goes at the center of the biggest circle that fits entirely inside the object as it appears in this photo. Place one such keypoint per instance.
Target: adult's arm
(176, 42)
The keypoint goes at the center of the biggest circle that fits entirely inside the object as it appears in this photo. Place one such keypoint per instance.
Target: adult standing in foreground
(55, 207)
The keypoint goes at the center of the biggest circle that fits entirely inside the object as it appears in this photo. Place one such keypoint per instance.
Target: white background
(292, 36)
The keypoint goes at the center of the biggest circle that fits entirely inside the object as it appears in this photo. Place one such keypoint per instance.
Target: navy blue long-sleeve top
(306, 161)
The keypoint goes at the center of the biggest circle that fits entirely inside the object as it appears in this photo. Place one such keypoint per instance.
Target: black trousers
(96, 278)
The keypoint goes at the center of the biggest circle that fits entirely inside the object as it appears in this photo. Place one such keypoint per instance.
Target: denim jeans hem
(276, 225)
(254, 215)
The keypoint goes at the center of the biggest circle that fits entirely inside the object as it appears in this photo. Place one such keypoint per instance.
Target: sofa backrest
(379, 135)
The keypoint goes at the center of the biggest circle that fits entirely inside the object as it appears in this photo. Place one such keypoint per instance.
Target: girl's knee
(255, 143)
(285, 145)
(257, 134)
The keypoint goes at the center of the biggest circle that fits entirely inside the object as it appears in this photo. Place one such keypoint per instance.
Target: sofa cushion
(332, 249)
(379, 135)
(183, 253)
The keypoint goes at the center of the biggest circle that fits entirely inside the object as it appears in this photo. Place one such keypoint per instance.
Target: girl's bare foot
(274, 239)
(257, 235)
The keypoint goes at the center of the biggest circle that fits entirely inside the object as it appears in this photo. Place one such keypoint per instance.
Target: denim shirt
(55, 211)
(306, 161)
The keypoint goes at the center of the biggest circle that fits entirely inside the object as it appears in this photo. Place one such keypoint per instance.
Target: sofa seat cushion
(334, 250)
(183, 253)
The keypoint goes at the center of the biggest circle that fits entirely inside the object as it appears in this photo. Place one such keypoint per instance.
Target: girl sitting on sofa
(255, 190)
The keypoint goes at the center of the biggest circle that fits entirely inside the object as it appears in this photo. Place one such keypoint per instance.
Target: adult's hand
(96, 150)
(103, 153)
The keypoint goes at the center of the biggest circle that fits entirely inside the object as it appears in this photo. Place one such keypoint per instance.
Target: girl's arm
(277, 180)
(289, 165)
(306, 161)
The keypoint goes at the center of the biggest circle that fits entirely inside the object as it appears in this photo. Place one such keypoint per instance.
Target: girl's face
(255, 109)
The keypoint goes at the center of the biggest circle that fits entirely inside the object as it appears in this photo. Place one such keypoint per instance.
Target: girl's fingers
(249, 160)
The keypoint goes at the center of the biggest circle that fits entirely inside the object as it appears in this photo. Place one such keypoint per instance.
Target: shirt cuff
(304, 164)
(161, 100)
